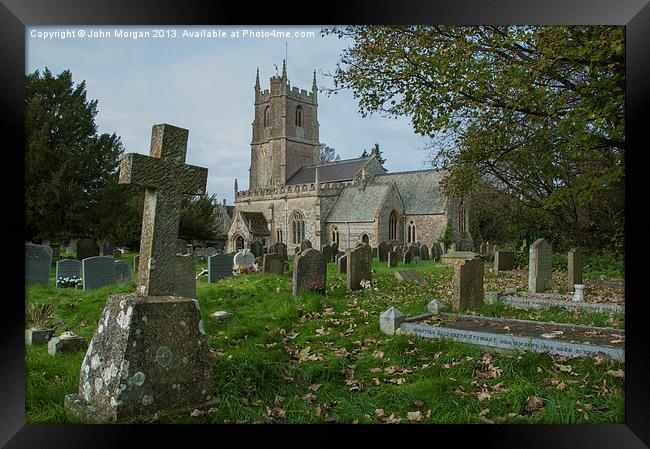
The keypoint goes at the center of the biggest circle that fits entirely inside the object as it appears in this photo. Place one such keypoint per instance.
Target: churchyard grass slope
(321, 358)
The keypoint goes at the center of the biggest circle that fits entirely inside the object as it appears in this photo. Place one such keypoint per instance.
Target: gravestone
(107, 249)
(424, 253)
(304, 245)
(503, 261)
(359, 267)
(244, 258)
(390, 321)
(382, 251)
(122, 272)
(97, 272)
(482, 249)
(392, 259)
(273, 263)
(68, 268)
(210, 251)
(436, 251)
(407, 257)
(399, 252)
(279, 248)
(136, 262)
(342, 264)
(149, 353)
(309, 272)
(38, 260)
(86, 248)
(184, 276)
(327, 253)
(575, 268)
(56, 250)
(335, 249)
(409, 276)
(468, 284)
(374, 253)
(219, 267)
(539, 266)
(257, 249)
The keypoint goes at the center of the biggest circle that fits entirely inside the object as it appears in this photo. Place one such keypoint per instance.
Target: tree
(376, 151)
(535, 112)
(328, 154)
(198, 218)
(69, 168)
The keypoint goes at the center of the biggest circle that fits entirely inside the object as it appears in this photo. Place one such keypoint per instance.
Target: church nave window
(297, 228)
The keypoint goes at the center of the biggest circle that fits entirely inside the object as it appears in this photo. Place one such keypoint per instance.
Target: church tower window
(297, 228)
(299, 116)
(267, 116)
(392, 226)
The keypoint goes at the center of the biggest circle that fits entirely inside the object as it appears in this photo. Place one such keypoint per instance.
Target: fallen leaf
(616, 373)
(414, 416)
(315, 387)
(378, 354)
(534, 404)
(309, 398)
(379, 413)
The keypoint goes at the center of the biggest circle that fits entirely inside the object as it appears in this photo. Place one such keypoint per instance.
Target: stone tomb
(86, 248)
(67, 268)
(503, 261)
(574, 268)
(273, 263)
(359, 267)
(409, 276)
(523, 302)
(97, 272)
(219, 267)
(38, 260)
(539, 266)
(150, 352)
(502, 333)
(122, 272)
(309, 272)
(468, 284)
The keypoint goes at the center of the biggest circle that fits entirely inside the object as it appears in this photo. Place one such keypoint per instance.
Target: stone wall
(428, 228)
(393, 202)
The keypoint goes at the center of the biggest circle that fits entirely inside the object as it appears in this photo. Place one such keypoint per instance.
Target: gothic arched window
(392, 226)
(335, 235)
(364, 238)
(267, 116)
(278, 236)
(299, 116)
(297, 228)
(239, 242)
(411, 232)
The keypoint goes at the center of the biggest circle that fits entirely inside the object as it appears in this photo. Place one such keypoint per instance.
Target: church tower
(285, 131)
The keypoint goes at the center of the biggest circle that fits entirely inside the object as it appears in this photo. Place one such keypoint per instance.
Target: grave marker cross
(165, 177)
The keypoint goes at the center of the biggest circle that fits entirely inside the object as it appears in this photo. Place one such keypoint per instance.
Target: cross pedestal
(150, 353)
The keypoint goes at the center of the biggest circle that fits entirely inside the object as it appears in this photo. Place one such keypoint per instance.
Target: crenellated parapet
(268, 193)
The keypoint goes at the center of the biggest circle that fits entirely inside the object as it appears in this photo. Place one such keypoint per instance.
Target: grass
(264, 372)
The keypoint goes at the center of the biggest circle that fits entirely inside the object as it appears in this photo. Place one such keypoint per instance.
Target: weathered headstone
(374, 253)
(150, 352)
(503, 261)
(382, 251)
(273, 263)
(392, 259)
(309, 272)
(390, 321)
(327, 253)
(304, 245)
(341, 264)
(359, 268)
(436, 306)
(578, 293)
(211, 251)
(66, 342)
(436, 251)
(468, 284)
(335, 249)
(399, 252)
(257, 248)
(136, 263)
(38, 260)
(86, 248)
(407, 257)
(279, 248)
(539, 266)
(219, 267)
(97, 272)
(575, 268)
(424, 253)
(184, 276)
(107, 249)
(122, 272)
(244, 258)
(409, 276)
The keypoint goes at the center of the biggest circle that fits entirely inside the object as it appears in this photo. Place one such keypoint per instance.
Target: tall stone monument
(468, 283)
(574, 268)
(539, 266)
(150, 352)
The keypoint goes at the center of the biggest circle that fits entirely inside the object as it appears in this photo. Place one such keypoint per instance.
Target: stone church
(293, 196)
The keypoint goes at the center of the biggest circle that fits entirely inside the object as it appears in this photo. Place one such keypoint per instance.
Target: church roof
(256, 222)
(355, 204)
(329, 172)
(420, 190)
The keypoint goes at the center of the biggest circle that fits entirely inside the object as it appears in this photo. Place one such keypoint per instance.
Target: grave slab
(97, 272)
(219, 267)
(38, 260)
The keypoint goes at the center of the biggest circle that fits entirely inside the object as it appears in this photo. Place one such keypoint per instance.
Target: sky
(184, 77)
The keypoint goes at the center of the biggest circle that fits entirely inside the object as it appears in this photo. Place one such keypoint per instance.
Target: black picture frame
(15, 15)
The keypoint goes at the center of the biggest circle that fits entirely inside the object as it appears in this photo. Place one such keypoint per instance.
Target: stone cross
(165, 177)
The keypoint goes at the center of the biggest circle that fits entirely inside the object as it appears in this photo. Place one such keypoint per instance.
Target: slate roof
(256, 222)
(420, 190)
(329, 172)
(354, 204)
